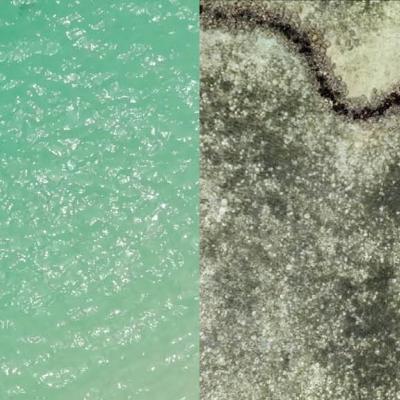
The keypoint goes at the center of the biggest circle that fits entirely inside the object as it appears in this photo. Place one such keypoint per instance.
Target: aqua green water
(98, 200)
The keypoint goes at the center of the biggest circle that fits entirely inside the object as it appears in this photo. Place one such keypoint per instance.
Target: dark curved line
(305, 47)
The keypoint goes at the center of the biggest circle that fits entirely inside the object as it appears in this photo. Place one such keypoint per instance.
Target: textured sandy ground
(300, 217)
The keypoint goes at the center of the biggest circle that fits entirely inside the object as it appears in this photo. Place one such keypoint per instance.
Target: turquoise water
(98, 210)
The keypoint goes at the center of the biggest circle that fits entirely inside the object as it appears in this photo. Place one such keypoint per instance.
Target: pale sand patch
(373, 65)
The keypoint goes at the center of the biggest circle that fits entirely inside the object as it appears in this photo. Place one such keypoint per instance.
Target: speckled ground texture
(300, 209)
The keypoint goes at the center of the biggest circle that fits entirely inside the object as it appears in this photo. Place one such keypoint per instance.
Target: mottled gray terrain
(300, 232)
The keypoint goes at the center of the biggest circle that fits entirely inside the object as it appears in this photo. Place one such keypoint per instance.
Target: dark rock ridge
(312, 50)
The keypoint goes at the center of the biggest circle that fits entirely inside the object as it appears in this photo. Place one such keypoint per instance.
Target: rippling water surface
(98, 227)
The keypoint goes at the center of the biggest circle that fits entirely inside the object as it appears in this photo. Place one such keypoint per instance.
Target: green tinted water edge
(99, 199)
